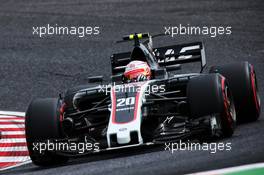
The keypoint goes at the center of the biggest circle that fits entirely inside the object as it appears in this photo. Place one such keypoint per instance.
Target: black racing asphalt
(32, 67)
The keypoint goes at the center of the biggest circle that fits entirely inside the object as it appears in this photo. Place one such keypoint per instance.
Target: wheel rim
(230, 104)
(255, 89)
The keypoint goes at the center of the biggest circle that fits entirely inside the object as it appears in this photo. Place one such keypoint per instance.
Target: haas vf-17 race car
(146, 103)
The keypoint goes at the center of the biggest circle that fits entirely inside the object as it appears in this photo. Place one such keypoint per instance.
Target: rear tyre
(209, 95)
(243, 84)
(42, 123)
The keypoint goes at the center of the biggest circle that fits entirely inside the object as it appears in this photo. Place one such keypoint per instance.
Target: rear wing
(166, 56)
(180, 54)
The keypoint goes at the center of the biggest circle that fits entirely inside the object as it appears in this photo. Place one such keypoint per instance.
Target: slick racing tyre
(43, 123)
(243, 84)
(209, 95)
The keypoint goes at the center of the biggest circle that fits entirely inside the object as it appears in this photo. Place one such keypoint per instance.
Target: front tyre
(243, 84)
(209, 95)
(43, 123)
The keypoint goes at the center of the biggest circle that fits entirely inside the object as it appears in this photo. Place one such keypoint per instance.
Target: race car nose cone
(123, 137)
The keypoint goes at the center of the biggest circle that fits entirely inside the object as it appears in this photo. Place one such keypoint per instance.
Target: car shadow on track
(121, 153)
(127, 152)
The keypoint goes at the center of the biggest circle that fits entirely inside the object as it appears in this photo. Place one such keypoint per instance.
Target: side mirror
(95, 79)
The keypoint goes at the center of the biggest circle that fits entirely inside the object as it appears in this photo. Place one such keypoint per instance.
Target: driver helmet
(137, 71)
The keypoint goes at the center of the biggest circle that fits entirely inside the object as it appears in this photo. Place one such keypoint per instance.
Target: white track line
(12, 120)
(12, 126)
(17, 140)
(232, 169)
(13, 133)
(14, 148)
(14, 159)
(20, 114)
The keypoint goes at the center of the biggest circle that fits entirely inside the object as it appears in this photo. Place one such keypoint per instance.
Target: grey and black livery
(192, 106)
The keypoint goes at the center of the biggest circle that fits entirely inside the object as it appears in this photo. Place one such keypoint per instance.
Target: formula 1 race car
(167, 107)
